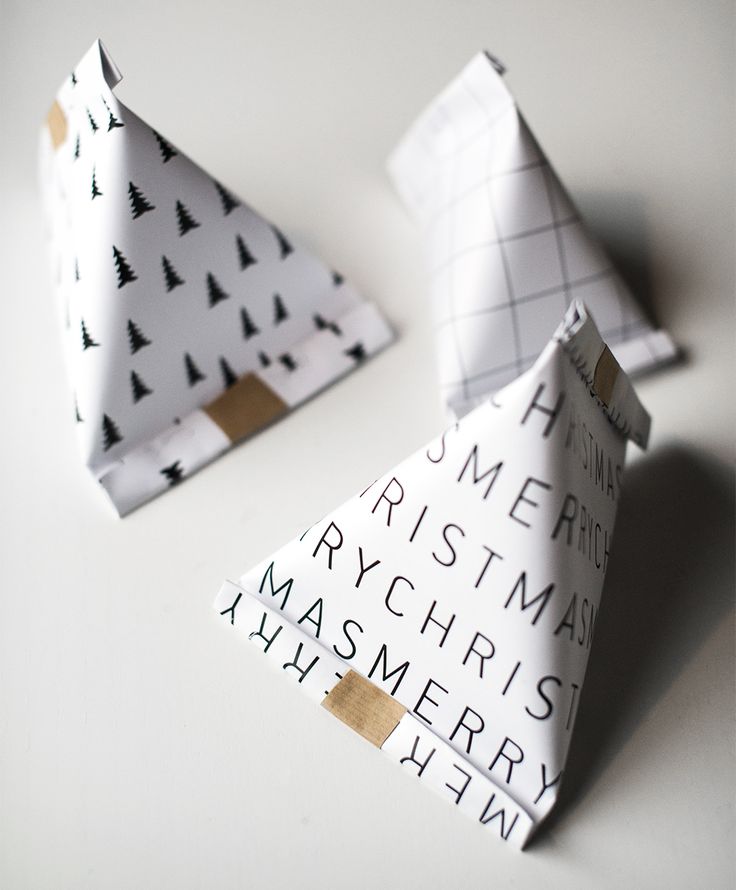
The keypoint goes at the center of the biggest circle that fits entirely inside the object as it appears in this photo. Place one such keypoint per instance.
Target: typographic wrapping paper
(190, 320)
(446, 613)
(506, 248)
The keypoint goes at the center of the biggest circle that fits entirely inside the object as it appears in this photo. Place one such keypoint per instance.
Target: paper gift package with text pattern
(446, 613)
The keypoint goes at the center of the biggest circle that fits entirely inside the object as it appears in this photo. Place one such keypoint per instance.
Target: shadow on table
(670, 580)
(620, 220)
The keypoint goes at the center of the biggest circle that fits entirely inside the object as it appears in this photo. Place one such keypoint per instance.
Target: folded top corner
(607, 382)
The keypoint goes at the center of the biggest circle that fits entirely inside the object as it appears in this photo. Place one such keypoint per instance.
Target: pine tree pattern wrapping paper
(191, 322)
(446, 613)
(506, 248)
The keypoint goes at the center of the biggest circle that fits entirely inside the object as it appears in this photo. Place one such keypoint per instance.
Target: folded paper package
(191, 322)
(446, 612)
(507, 249)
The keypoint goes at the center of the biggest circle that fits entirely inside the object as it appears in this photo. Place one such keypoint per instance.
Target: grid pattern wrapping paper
(190, 321)
(507, 250)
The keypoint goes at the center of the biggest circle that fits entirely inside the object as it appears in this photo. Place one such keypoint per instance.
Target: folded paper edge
(356, 722)
(110, 70)
(214, 428)
(602, 374)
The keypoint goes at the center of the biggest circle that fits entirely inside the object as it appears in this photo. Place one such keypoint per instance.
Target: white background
(142, 745)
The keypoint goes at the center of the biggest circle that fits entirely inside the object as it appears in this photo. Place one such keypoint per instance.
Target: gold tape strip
(364, 707)
(56, 122)
(604, 377)
(245, 407)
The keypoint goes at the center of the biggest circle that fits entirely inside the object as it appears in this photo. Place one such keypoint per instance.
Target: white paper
(466, 583)
(171, 287)
(507, 250)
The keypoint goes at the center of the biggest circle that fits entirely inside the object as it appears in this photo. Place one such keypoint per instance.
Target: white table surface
(144, 746)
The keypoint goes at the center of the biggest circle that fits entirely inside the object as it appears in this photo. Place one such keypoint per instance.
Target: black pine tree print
(87, 340)
(214, 290)
(228, 375)
(111, 435)
(356, 352)
(92, 121)
(113, 122)
(279, 310)
(288, 362)
(194, 375)
(249, 329)
(136, 338)
(139, 204)
(245, 257)
(76, 269)
(337, 279)
(125, 273)
(322, 325)
(174, 473)
(166, 148)
(284, 245)
(77, 416)
(76, 148)
(138, 387)
(185, 218)
(74, 79)
(95, 188)
(173, 279)
(264, 359)
(229, 201)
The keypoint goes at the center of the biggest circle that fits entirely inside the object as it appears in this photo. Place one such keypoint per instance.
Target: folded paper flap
(95, 73)
(497, 64)
(246, 406)
(579, 337)
(110, 70)
(376, 715)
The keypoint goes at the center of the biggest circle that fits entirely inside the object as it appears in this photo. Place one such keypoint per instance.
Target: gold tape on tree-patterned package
(247, 406)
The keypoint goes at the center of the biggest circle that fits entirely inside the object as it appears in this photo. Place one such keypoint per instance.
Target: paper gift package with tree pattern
(191, 321)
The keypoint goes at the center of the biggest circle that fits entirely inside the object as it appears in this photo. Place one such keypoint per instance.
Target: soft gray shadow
(670, 581)
(618, 219)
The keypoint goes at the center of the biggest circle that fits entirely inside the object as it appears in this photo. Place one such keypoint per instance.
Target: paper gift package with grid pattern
(506, 248)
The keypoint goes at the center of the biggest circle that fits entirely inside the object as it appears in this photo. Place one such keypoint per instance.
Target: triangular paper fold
(446, 613)
(507, 250)
(177, 297)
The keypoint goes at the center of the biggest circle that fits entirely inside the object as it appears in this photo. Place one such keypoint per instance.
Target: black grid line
(501, 246)
(615, 336)
(480, 132)
(547, 174)
(530, 298)
(451, 245)
(482, 183)
(494, 242)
